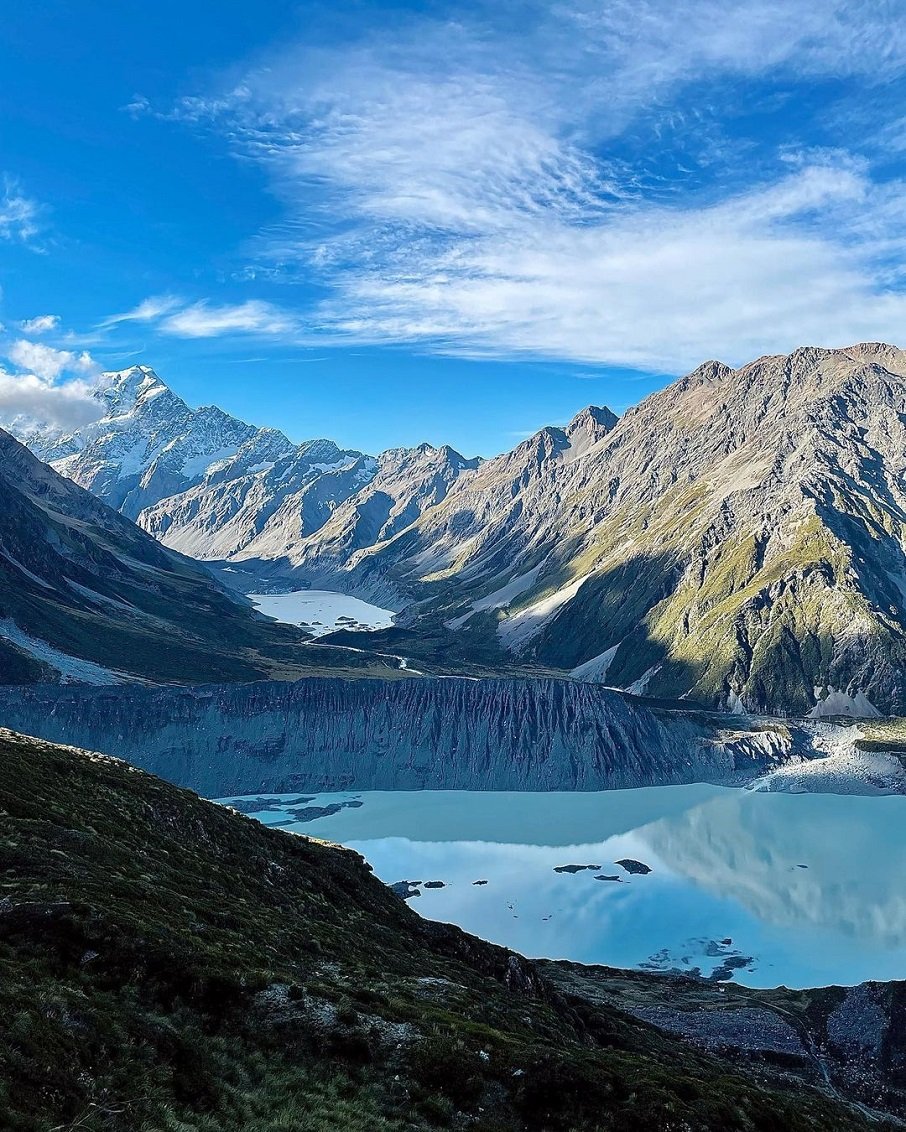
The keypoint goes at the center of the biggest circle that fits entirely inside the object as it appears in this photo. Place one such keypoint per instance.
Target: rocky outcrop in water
(332, 734)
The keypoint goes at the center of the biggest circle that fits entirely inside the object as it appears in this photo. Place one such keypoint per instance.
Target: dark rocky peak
(325, 452)
(596, 419)
(708, 373)
(589, 426)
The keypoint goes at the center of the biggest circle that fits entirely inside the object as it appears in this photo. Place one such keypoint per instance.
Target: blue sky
(452, 222)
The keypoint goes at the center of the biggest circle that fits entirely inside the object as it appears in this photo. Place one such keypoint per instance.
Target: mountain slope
(86, 595)
(168, 964)
(486, 522)
(738, 537)
(243, 510)
(407, 482)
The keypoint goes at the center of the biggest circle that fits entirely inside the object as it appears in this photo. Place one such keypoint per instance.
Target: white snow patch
(735, 705)
(71, 669)
(133, 460)
(322, 611)
(638, 687)
(837, 702)
(203, 462)
(518, 630)
(334, 467)
(499, 599)
(595, 671)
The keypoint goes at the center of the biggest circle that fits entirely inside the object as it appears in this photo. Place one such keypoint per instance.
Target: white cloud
(654, 287)
(651, 46)
(149, 310)
(180, 319)
(26, 398)
(460, 185)
(48, 363)
(19, 214)
(41, 324)
(44, 390)
(138, 107)
(200, 320)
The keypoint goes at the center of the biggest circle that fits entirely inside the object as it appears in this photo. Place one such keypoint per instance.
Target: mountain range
(213, 487)
(736, 539)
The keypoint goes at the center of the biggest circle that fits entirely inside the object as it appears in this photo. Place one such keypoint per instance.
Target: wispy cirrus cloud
(473, 184)
(204, 320)
(181, 319)
(20, 215)
(148, 310)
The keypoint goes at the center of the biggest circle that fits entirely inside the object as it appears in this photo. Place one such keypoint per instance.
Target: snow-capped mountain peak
(122, 390)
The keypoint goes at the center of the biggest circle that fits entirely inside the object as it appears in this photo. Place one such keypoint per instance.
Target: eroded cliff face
(330, 734)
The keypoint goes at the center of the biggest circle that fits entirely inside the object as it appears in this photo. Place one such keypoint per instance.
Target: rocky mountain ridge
(215, 488)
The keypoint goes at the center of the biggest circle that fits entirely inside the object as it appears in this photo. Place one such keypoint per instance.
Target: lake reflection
(769, 888)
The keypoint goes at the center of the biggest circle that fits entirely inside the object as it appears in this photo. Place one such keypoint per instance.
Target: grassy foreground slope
(167, 964)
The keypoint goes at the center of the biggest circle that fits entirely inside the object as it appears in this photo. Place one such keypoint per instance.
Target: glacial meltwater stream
(766, 888)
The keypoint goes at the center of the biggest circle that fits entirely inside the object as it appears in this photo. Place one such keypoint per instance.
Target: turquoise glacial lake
(762, 888)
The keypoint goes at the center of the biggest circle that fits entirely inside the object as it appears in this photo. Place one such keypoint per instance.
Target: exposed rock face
(483, 539)
(408, 481)
(149, 444)
(331, 734)
(243, 510)
(850, 1038)
(739, 536)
